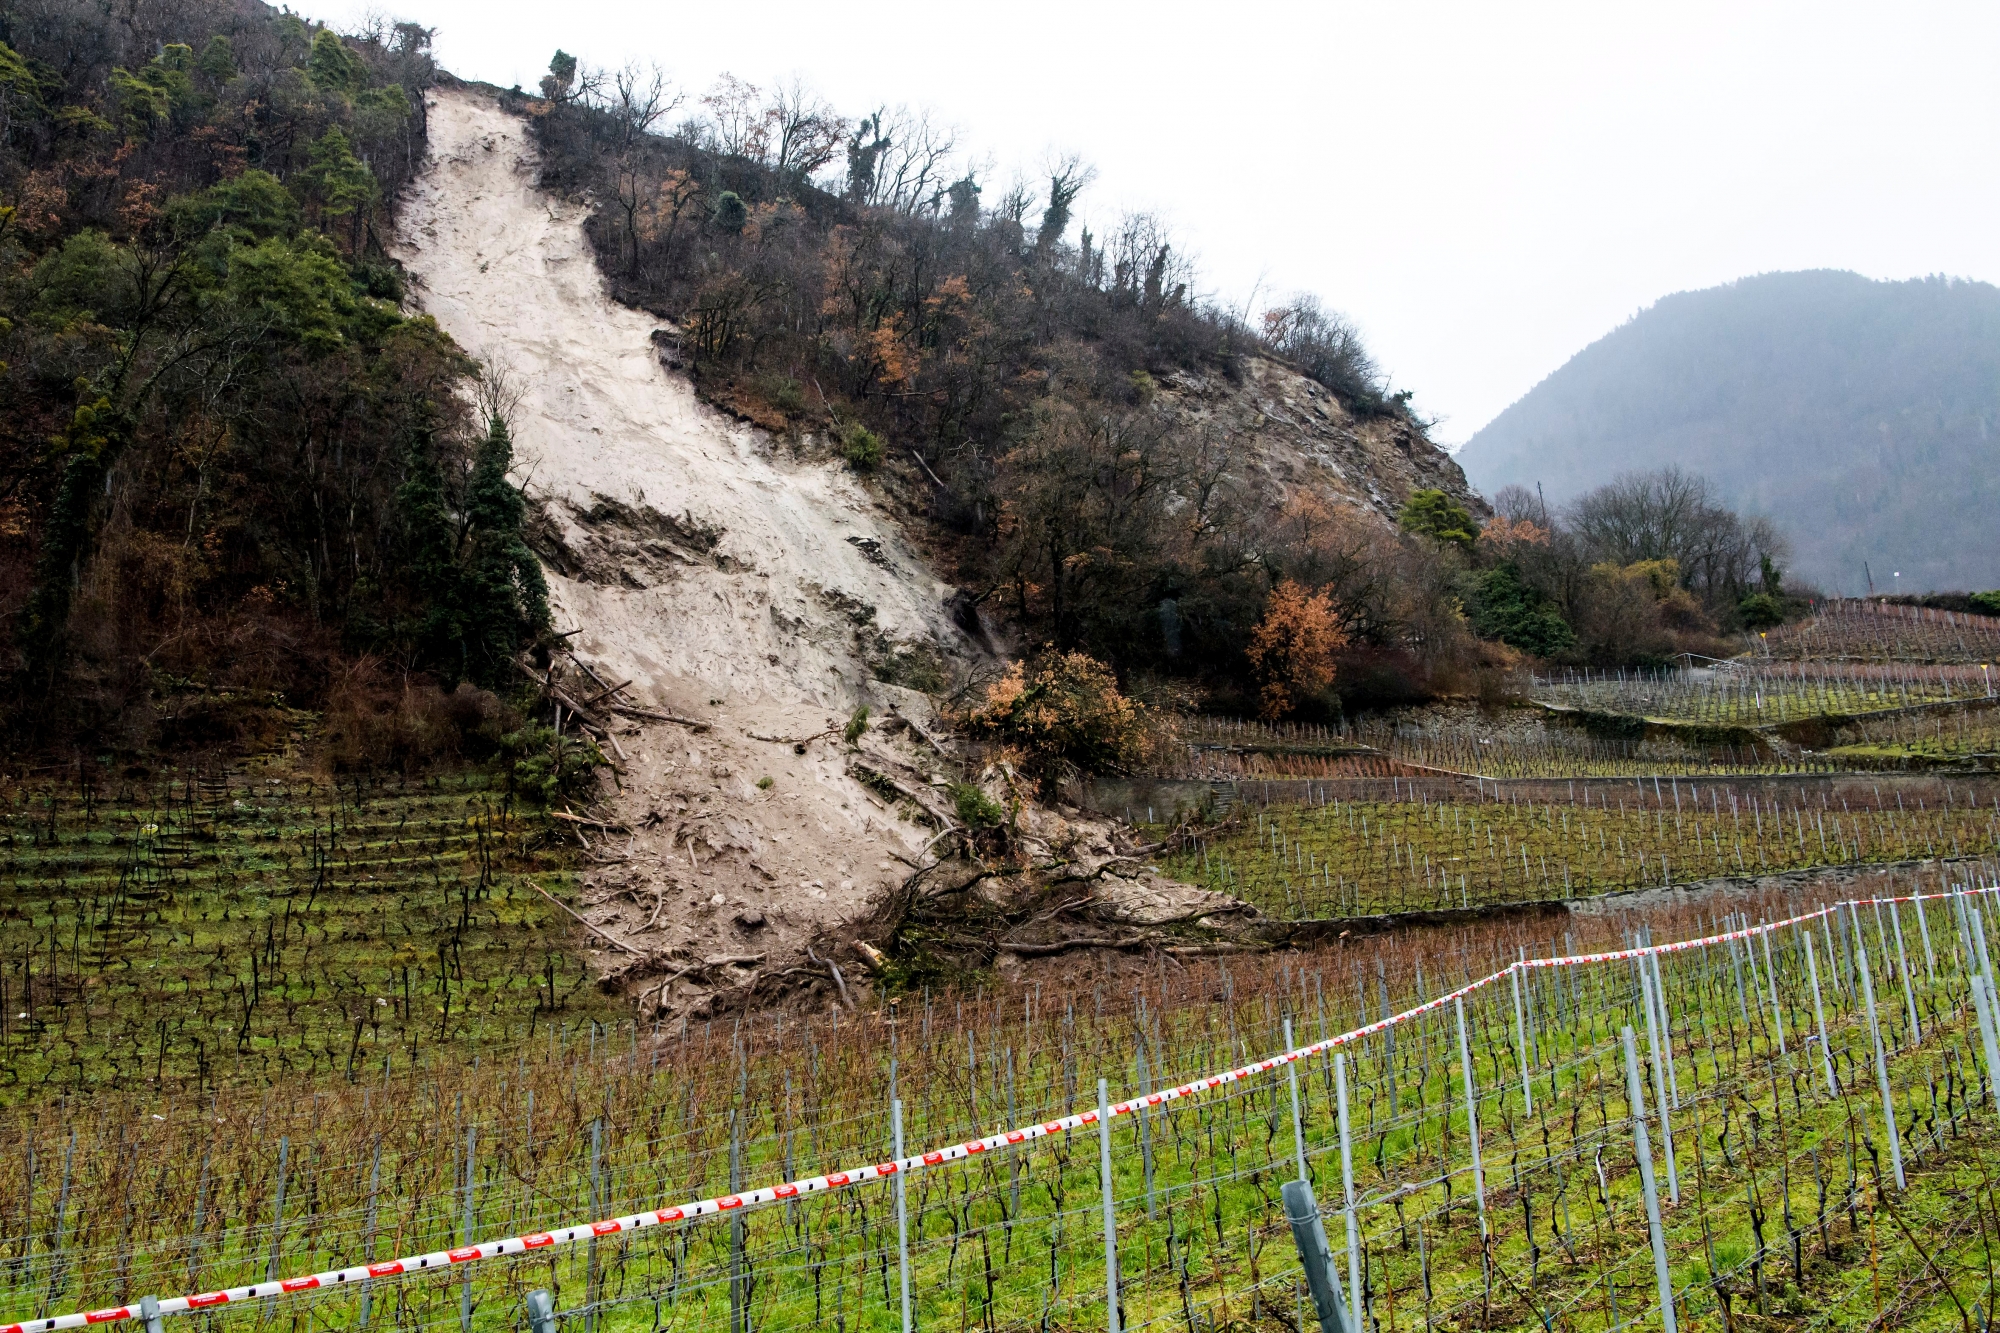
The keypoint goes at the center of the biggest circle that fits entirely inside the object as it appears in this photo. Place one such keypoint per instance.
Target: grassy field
(1348, 858)
(214, 927)
(1781, 1206)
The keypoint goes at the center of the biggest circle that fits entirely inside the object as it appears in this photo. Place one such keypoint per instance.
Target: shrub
(546, 767)
(782, 392)
(1500, 606)
(1431, 513)
(1760, 610)
(862, 448)
(1292, 648)
(856, 725)
(976, 810)
(1986, 603)
(730, 212)
(1064, 714)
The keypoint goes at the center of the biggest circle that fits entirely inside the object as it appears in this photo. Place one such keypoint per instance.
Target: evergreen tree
(506, 598)
(430, 548)
(338, 181)
(477, 589)
(332, 66)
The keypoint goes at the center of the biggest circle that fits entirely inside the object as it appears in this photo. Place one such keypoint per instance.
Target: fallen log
(604, 934)
(655, 715)
(569, 818)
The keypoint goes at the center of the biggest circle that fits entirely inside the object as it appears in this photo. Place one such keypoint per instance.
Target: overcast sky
(1483, 189)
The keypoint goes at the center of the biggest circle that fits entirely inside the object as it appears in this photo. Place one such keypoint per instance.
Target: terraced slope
(205, 927)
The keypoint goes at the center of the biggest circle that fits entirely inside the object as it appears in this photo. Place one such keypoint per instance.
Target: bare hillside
(729, 584)
(1292, 434)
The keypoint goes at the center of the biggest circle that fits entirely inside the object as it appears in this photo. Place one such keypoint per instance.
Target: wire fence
(1480, 1140)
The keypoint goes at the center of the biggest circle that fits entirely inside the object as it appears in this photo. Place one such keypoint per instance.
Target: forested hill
(1860, 415)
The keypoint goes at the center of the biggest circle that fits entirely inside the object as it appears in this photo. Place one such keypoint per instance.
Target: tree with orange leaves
(1291, 649)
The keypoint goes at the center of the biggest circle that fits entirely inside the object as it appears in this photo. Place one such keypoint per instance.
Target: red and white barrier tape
(494, 1249)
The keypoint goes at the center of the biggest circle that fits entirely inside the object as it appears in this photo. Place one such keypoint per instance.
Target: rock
(752, 919)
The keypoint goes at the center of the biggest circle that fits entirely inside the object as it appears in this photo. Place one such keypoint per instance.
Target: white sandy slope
(758, 637)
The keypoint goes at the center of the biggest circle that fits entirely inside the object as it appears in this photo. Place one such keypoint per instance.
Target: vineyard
(1960, 737)
(1868, 631)
(256, 1024)
(1757, 694)
(1817, 1104)
(227, 925)
(1338, 858)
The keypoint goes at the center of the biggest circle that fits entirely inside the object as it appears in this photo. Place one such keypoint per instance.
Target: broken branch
(641, 953)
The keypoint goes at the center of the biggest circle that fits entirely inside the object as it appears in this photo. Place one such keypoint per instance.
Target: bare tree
(1325, 346)
(1145, 267)
(1515, 501)
(1670, 514)
(803, 133)
(899, 160)
(497, 393)
(735, 119)
(639, 99)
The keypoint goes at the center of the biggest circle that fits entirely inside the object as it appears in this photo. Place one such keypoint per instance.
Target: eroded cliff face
(1291, 435)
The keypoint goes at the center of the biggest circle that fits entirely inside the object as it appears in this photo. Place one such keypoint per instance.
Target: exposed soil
(730, 582)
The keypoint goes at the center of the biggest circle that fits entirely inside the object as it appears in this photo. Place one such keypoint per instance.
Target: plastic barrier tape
(687, 1212)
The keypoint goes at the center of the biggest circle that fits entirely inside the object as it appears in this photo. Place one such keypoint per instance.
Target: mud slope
(727, 581)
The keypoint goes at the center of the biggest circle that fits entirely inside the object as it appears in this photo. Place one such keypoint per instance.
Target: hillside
(722, 580)
(735, 579)
(1859, 415)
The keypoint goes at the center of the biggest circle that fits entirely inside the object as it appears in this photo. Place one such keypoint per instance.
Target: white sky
(1484, 189)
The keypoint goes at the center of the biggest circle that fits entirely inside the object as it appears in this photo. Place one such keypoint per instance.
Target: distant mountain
(1862, 416)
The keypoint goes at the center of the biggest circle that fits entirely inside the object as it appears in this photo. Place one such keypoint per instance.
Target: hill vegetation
(1857, 415)
(235, 474)
(854, 286)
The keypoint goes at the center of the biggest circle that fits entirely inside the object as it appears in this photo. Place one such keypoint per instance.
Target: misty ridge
(1857, 415)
